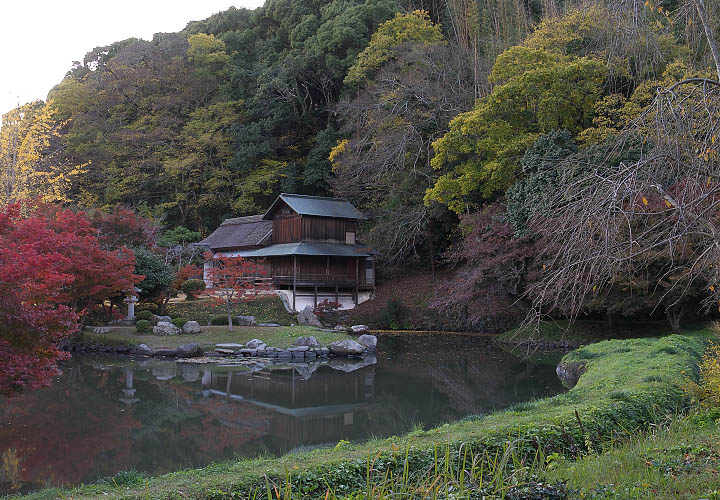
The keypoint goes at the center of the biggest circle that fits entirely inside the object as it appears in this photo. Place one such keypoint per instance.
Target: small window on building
(349, 237)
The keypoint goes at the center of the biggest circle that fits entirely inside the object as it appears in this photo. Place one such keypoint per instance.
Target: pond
(108, 414)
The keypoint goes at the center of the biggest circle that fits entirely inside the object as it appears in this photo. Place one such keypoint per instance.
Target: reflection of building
(303, 411)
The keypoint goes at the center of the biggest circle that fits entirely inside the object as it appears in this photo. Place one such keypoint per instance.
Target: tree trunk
(229, 313)
(674, 314)
(702, 14)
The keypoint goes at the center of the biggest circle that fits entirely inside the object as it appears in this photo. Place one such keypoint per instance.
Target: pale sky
(39, 39)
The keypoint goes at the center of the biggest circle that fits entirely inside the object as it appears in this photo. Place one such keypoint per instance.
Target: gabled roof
(239, 232)
(317, 205)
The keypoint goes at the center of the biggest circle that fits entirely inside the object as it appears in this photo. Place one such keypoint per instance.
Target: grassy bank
(282, 336)
(626, 386)
(675, 460)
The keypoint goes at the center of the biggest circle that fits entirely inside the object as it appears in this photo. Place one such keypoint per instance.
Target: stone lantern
(131, 299)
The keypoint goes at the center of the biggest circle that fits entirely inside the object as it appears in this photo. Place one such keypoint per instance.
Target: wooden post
(327, 271)
(294, 280)
(316, 295)
(337, 298)
(357, 279)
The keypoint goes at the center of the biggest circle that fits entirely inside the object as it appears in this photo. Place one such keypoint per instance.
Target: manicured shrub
(179, 322)
(219, 320)
(192, 288)
(143, 326)
(144, 315)
(146, 306)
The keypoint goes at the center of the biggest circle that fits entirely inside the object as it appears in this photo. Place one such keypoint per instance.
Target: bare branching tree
(653, 220)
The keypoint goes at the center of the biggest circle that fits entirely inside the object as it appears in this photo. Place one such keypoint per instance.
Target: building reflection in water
(307, 403)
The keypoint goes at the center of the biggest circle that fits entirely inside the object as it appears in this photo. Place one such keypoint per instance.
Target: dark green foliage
(158, 276)
(192, 287)
(143, 326)
(219, 320)
(144, 315)
(539, 175)
(179, 322)
(396, 316)
(178, 236)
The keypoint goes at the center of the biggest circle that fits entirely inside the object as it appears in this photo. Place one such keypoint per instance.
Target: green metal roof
(318, 206)
(311, 248)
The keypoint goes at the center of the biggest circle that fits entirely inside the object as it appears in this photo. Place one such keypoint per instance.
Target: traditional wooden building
(308, 248)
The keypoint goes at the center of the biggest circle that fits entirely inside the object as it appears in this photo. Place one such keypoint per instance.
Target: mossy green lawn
(282, 336)
(265, 310)
(627, 385)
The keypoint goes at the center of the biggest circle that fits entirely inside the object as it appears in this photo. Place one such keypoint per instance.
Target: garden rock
(189, 350)
(101, 330)
(244, 320)
(309, 341)
(143, 350)
(369, 341)
(165, 328)
(308, 317)
(569, 373)
(158, 319)
(256, 344)
(346, 347)
(360, 328)
(340, 328)
(191, 328)
(268, 324)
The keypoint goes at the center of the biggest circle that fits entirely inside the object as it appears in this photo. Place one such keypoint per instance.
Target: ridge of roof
(319, 206)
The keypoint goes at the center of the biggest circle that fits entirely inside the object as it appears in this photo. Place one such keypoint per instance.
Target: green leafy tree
(536, 91)
(414, 27)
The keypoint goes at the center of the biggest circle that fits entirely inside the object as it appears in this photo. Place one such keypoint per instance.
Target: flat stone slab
(268, 324)
(224, 351)
(229, 346)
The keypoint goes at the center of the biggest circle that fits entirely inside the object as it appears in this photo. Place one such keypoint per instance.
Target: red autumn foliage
(123, 227)
(492, 270)
(52, 268)
(232, 279)
(185, 273)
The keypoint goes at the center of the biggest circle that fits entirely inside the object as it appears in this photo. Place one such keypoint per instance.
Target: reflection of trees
(95, 437)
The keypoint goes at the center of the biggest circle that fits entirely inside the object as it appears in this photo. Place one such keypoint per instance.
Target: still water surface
(105, 415)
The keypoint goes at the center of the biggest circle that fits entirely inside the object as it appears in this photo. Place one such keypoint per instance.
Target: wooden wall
(326, 229)
(307, 228)
(287, 229)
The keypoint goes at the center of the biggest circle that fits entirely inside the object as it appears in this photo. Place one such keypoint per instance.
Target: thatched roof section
(240, 232)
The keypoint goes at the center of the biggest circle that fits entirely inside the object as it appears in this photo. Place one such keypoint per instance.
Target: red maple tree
(52, 268)
(232, 279)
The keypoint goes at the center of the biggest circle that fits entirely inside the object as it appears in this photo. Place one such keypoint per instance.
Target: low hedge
(626, 385)
(143, 326)
(144, 315)
(179, 322)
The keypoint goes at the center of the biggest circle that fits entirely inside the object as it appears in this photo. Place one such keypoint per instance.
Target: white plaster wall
(346, 301)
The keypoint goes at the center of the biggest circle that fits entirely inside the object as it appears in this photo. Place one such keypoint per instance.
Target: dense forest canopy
(450, 121)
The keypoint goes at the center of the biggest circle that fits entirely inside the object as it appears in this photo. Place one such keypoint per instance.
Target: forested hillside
(445, 121)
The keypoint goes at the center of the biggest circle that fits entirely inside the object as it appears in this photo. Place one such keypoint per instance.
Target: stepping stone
(229, 346)
(224, 351)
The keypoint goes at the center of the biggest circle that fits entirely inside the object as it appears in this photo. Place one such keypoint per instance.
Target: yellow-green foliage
(415, 27)
(537, 91)
(707, 390)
